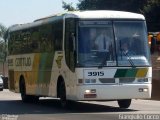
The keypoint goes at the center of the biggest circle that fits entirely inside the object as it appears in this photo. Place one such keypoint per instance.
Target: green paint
(44, 73)
(126, 73)
(120, 73)
(131, 73)
(45, 68)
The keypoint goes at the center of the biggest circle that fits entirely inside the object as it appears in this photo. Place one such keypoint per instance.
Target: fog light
(143, 89)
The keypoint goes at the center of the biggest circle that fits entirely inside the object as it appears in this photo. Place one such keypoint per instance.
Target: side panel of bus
(34, 57)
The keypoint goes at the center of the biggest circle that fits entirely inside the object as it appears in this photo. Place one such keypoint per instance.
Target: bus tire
(27, 98)
(124, 103)
(33, 99)
(62, 94)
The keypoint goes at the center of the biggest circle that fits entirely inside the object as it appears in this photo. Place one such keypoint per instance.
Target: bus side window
(58, 35)
(33, 41)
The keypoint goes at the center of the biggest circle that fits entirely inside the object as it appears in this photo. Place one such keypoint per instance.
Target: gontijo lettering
(25, 61)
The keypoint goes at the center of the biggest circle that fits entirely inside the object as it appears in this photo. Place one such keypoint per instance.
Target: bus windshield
(112, 43)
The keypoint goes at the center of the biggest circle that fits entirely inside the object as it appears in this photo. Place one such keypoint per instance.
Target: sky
(25, 11)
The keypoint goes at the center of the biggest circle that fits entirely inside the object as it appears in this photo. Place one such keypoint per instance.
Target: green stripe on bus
(120, 73)
(131, 73)
(134, 72)
(44, 74)
(45, 67)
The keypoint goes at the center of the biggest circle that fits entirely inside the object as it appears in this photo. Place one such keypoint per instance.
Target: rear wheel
(24, 96)
(124, 103)
(33, 98)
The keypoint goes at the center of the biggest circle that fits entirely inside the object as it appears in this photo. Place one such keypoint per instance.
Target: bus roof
(101, 14)
(97, 14)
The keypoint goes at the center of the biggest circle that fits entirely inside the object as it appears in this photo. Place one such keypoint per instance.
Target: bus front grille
(107, 80)
(126, 80)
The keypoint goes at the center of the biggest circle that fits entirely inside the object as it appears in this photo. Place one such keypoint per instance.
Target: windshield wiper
(129, 59)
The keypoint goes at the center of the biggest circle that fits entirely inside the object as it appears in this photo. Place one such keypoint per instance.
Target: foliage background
(149, 8)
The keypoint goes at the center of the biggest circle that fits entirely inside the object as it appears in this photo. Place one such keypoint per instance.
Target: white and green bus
(57, 56)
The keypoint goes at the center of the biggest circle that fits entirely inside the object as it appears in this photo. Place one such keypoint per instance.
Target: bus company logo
(25, 61)
(58, 61)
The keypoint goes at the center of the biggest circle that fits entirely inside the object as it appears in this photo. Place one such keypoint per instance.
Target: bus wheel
(124, 103)
(62, 94)
(33, 98)
(25, 98)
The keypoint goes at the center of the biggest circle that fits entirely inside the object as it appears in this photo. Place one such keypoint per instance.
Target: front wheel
(124, 103)
(62, 94)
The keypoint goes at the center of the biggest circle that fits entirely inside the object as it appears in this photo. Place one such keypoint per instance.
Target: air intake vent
(126, 80)
(107, 80)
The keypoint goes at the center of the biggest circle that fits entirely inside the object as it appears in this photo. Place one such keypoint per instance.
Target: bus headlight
(90, 81)
(142, 80)
(90, 91)
(87, 91)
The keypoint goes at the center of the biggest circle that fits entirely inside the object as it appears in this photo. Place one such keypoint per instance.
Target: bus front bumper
(113, 92)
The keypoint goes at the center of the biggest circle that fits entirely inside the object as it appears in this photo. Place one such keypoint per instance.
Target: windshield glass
(132, 43)
(95, 43)
(112, 43)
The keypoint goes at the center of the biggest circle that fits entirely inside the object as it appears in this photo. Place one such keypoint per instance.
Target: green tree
(150, 8)
(3, 30)
(68, 6)
(124, 5)
(152, 14)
